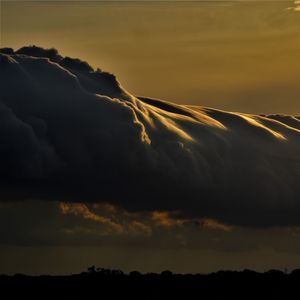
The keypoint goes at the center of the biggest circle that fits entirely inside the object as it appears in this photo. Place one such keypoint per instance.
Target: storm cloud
(74, 134)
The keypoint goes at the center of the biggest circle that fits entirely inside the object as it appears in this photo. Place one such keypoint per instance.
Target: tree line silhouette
(102, 283)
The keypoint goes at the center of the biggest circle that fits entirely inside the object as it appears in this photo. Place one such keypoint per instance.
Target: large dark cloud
(71, 133)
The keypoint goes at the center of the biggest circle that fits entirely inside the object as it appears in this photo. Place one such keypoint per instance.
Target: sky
(239, 56)
(137, 183)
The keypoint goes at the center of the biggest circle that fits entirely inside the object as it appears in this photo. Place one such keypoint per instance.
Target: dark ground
(114, 284)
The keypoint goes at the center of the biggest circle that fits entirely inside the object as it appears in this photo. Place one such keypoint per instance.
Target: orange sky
(234, 56)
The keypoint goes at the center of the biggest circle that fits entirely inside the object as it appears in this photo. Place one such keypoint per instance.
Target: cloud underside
(74, 134)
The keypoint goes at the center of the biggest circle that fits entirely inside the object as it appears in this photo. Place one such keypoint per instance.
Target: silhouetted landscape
(101, 283)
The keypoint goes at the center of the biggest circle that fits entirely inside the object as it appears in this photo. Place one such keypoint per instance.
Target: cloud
(74, 134)
(164, 218)
(296, 6)
(86, 213)
(46, 223)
